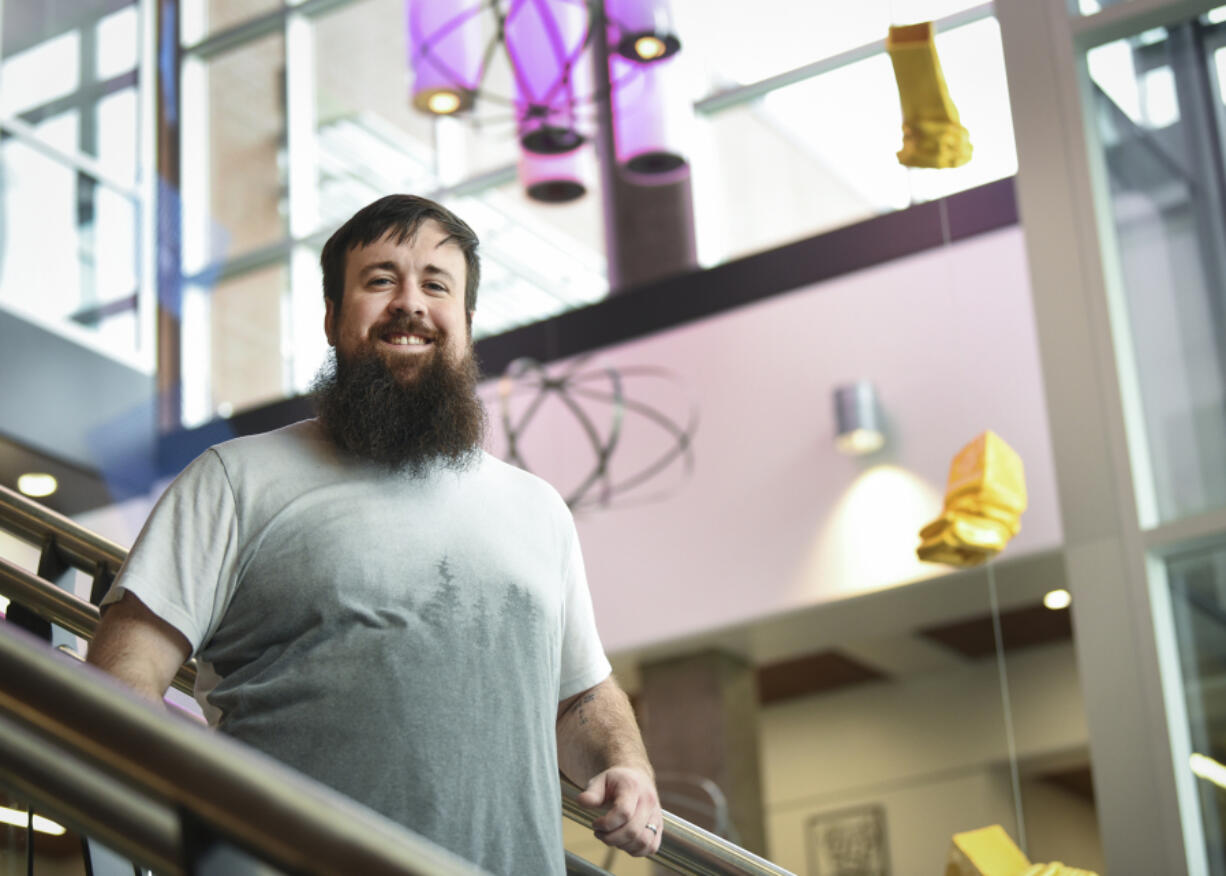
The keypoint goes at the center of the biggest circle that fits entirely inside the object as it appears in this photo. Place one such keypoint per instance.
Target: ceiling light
(443, 103)
(21, 819)
(650, 47)
(1058, 599)
(859, 425)
(37, 484)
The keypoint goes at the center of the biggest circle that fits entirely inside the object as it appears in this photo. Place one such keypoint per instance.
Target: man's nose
(408, 299)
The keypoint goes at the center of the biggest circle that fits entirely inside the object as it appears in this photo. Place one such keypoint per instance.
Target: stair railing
(685, 847)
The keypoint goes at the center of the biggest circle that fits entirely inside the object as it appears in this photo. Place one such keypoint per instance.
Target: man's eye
(436, 287)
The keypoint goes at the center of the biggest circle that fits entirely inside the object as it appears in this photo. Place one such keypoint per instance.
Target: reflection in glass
(202, 18)
(1197, 581)
(45, 71)
(118, 46)
(67, 244)
(1156, 98)
(245, 328)
(233, 152)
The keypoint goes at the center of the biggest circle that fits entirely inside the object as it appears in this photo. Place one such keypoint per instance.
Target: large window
(1157, 102)
(70, 152)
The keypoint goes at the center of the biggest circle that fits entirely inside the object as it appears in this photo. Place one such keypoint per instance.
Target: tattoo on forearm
(583, 702)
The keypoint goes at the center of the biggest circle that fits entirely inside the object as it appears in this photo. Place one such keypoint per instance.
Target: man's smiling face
(403, 302)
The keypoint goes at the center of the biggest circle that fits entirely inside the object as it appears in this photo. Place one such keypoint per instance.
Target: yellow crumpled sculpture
(933, 135)
(984, 501)
(990, 852)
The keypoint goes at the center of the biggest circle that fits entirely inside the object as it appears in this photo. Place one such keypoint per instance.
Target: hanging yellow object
(984, 501)
(990, 852)
(932, 133)
(985, 852)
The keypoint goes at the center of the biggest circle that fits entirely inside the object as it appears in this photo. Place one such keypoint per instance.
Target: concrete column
(700, 721)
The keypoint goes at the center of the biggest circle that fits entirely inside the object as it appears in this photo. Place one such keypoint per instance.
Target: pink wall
(773, 518)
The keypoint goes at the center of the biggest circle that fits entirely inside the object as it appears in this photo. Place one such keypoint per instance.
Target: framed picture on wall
(848, 842)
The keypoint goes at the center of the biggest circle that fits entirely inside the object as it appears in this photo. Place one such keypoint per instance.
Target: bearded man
(377, 602)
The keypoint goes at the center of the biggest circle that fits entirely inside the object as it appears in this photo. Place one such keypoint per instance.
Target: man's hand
(633, 822)
(600, 748)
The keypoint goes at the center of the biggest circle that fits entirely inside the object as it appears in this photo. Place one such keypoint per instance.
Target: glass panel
(118, 43)
(117, 135)
(736, 43)
(68, 245)
(1155, 102)
(202, 18)
(1197, 581)
(233, 152)
(776, 174)
(882, 728)
(537, 260)
(41, 73)
(245, 327)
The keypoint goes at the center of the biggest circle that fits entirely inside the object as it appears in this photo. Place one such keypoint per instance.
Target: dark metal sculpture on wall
(573, 387)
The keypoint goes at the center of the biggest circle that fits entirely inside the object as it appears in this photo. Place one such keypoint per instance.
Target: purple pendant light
(557, 179)
(546, 41)
(445, 53)
(645, 31)
(650, 117)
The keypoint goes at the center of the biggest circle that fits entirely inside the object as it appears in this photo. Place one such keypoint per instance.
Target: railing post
(54, 568)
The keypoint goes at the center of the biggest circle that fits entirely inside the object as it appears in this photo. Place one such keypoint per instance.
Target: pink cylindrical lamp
(644, 28)
(560, 178)
(446, 42)
(546, 42)
(650, 118)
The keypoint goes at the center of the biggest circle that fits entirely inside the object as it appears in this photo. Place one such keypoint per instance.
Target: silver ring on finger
(653, 828)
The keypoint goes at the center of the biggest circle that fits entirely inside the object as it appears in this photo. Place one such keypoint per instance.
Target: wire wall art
(599, 395)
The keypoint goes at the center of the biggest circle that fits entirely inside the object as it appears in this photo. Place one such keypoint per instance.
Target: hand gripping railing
(685, 847)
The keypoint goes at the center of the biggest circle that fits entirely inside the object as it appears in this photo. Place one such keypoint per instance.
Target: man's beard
(432, 416)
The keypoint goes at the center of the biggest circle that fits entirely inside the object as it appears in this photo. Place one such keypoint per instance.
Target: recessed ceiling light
(650, 47)
(444, 103)
(37, 484)
(20, 819)
(1058, 599)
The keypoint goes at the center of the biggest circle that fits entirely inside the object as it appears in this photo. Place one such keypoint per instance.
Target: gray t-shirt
(403, 640)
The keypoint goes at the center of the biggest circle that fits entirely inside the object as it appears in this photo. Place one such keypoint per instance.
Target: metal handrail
(685, 848)
(290, 820)
(83, 548)
(68, 611)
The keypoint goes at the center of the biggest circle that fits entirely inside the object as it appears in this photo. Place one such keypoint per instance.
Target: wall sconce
(860, 427)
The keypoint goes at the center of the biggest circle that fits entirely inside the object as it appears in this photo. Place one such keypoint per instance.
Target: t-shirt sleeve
(583, 659)
(182, 565)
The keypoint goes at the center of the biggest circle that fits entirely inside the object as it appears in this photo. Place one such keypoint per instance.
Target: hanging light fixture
(546, 40)
(649, 120)
(547, 44)
(557, 179)
(644, 28)
(445, 53)
(859, 425)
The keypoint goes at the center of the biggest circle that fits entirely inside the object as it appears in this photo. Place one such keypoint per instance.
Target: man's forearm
(138, 648)
(598, 731)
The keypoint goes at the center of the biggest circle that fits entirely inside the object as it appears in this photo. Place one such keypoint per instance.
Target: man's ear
(329, 322)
